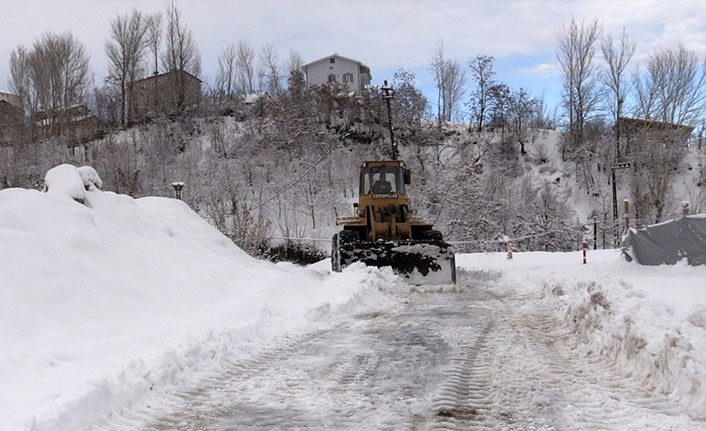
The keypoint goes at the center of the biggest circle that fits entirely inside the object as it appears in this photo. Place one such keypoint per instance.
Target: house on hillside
(165, 94)
(76, 123)
(631, 130)
(336, 68)
(11, 118)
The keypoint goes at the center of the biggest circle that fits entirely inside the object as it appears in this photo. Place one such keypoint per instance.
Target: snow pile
(106, 298)
(648, 321)
(65, 180)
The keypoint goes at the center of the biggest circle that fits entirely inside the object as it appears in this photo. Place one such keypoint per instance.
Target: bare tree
(673, 88)
(522, 108)
(499, 99)
(126, 49)
(617, 59)
(482, 73)
(154, 37)
(455, 83)
(53, 75)
(227, 72)
(450, 80)
(671, 92)
(268, 60)
(295, 79)
(437, 66)
(181, 54)
(246, 66)
(20, 80)
(656, 150)
(154, 41)
(577, 47)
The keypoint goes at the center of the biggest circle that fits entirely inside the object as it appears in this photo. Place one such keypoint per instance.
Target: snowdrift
(649, 322)
(106, 297)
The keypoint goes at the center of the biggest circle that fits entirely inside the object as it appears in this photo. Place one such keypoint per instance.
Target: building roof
(334, 55)
(653, 124)
(13, 99)
(10, 105)
(167, 73)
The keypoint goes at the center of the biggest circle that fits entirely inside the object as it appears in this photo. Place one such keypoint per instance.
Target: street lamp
(387, 94)
(177, 188)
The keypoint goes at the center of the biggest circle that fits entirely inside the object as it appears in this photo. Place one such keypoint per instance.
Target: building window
(348, 77)
(332, 60)
(332, 78)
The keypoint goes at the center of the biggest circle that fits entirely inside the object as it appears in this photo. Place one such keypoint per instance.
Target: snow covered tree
(408, 106)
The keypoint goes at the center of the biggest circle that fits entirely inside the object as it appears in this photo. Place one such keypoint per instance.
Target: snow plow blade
(419, 261)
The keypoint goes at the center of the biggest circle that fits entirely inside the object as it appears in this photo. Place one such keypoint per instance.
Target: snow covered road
(467, 359)
(130, 314)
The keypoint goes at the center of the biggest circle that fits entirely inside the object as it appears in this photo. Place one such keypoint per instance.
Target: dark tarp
(668, 242)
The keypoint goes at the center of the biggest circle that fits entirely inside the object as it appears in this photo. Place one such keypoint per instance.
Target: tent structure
(668, 242)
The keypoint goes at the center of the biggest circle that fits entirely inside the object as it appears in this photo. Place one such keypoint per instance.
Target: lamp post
(387, 94)
(177, 188)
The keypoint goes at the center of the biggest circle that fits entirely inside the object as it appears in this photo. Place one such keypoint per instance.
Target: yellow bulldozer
(385, 232)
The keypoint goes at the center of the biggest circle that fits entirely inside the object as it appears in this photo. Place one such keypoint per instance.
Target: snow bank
(109, 298)
(65, 180)
(649, 321)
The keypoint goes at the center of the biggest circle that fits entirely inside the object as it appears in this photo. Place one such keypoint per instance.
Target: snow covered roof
(336, 55)
(167, 73)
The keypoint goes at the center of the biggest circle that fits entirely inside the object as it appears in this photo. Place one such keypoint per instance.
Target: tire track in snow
(463, 400)
(465, 360)
(584, 394)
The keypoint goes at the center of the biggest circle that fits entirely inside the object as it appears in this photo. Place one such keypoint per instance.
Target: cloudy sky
(385, 35)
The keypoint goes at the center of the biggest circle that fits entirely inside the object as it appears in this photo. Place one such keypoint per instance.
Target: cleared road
(444, 360)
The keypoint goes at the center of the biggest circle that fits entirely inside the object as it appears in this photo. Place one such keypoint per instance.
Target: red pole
(509, 250)
(585, 246)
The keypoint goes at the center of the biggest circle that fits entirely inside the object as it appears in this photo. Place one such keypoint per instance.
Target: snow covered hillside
(104, 299)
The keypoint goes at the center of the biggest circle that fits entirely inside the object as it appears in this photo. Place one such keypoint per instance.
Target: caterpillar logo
(384, 195)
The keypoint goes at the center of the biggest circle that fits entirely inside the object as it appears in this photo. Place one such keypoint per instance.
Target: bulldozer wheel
(335, 255)
(347, 236)
(338, 239)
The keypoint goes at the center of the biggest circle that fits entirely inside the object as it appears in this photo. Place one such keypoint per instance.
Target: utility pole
(618, 165)
(387, 94)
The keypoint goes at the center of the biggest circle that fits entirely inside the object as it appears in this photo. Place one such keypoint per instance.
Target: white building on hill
(336, 68)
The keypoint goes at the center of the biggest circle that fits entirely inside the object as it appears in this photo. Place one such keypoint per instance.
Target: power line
(292, 184)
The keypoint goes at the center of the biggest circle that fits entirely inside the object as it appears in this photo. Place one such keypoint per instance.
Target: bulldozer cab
(383, 180)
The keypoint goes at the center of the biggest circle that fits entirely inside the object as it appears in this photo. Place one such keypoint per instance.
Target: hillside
(289, 174)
